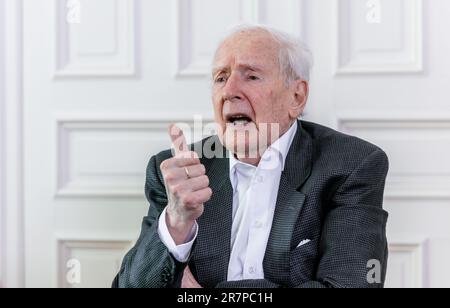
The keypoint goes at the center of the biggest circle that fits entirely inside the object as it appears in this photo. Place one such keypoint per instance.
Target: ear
(300, 91)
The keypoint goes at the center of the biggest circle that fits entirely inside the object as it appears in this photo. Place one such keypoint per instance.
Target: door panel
(103, 79)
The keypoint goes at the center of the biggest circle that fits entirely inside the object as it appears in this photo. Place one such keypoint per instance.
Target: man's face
(249, 93)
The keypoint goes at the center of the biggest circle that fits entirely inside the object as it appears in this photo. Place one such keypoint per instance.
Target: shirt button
(259, 179)
(251, 270)
(258, 224)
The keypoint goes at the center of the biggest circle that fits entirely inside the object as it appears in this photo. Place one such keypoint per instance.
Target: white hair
(295, 58)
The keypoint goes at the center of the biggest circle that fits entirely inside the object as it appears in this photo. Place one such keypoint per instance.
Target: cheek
(217, 105)
(266, 104)
(218, 115)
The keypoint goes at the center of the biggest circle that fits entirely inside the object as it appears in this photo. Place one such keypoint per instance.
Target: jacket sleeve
(353, 234)
(149, 264)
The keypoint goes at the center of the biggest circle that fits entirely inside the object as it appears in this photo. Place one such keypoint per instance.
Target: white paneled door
(102, 80)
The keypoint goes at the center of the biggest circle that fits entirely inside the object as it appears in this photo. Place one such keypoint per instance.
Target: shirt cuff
(181, 252)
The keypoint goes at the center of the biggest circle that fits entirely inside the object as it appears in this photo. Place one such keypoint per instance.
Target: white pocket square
(303, 243)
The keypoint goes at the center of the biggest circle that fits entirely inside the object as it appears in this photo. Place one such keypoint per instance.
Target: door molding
(2, 141)
(12, 272)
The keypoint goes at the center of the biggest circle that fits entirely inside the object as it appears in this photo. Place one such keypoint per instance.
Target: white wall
(12, 143)
(390, 89)
(2, 139)
(97, 98)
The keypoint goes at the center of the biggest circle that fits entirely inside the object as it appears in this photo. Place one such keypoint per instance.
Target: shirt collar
(280, 146)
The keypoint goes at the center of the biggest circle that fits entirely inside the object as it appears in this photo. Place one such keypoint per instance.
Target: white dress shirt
(255, 192)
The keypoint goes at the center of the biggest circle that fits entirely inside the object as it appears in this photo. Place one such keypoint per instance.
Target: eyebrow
(241, 67)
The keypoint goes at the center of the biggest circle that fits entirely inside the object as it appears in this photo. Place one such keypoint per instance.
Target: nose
(232, 88)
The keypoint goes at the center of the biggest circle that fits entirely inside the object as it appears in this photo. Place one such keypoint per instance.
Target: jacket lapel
(289, 204)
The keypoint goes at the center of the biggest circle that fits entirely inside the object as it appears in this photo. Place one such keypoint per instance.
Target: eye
(253, 77)
(220, 79)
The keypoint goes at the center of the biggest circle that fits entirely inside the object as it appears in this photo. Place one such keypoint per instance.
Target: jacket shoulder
(342, 150)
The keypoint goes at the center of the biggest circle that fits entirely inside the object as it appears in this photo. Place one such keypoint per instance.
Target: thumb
(178, 140)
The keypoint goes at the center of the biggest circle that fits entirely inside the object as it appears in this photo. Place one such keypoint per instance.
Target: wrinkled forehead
(257, 48)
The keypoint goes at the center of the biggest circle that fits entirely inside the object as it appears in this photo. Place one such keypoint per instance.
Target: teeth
(238, 117)
(240, 122)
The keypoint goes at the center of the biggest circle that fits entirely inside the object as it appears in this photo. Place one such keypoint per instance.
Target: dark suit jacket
(331, 192)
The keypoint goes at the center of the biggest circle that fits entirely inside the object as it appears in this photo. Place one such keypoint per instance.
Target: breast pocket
(303, 261)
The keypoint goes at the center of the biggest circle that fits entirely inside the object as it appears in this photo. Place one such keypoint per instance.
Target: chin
(243, 140)
(242, 149)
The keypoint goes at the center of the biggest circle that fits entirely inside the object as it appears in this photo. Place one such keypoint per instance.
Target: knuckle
(164, 165)
(180, 156)
(210, 192)
(192, 206)
(205, 180)
(195, 158)
(194, 155)
(169, 177)
(187, 201)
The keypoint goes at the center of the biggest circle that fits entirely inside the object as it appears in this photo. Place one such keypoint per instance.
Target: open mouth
(239, 120)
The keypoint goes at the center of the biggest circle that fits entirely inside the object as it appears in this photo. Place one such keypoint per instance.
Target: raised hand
(187, 188)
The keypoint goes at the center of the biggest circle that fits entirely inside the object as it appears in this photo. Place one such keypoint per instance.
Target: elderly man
(301, 208)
